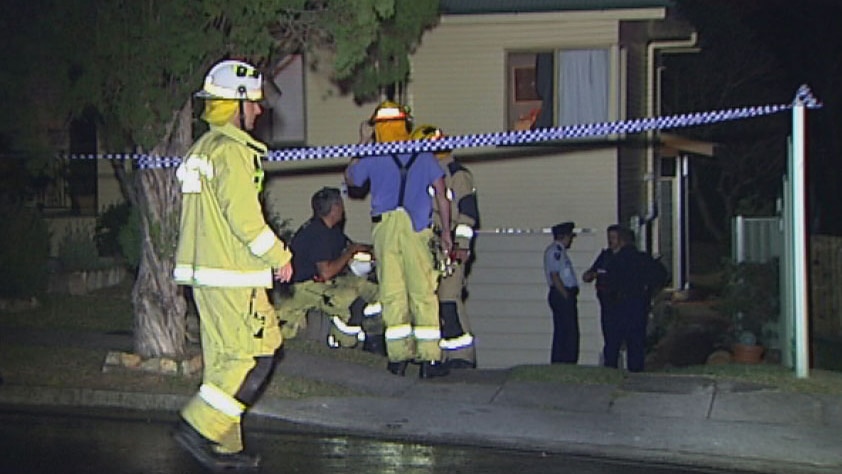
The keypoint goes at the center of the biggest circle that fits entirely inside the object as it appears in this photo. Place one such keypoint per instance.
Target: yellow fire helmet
(429, 132)
(426, 132)
(391, 121)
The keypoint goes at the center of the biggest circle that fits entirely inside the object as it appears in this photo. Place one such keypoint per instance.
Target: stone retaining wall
(83, 282)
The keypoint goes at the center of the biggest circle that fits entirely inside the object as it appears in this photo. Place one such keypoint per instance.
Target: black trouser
(565, 326)
(625, 321)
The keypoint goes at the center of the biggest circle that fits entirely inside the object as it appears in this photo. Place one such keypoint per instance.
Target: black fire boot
(397, 368)
(202, 450)
(461, 364)
(375, 343)
(433, 369)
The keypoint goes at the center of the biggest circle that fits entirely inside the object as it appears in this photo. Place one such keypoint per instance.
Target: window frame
(521, 113)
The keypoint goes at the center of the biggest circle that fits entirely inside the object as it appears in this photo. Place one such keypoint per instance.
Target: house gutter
(653, 109)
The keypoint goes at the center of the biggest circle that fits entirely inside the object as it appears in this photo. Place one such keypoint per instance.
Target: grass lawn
(105, 310)
(109, 310)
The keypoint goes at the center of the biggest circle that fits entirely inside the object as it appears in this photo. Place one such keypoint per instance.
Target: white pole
(685, 224)
(799, 235)
(678, 223)
(740, 247)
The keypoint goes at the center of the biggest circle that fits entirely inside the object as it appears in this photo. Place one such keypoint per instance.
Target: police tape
(803, 97)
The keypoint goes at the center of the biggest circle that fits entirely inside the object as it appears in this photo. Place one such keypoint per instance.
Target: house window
(557, 88)
(283, 119)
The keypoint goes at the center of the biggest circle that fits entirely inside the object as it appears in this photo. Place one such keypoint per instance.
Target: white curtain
(583, 86)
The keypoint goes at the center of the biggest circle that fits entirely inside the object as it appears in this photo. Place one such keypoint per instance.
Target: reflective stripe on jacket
(223, 238)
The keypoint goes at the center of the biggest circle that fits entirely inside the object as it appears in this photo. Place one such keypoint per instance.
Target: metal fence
(756, 239)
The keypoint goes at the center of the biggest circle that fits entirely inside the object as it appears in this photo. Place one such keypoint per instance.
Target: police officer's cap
(562, 229)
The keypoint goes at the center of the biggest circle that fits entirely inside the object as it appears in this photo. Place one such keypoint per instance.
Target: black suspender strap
(404, 171)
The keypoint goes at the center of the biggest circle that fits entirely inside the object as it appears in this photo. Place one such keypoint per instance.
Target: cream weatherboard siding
(459, 72)
(290, 198)
(507, 303)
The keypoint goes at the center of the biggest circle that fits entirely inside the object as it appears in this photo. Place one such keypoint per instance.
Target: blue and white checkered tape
(803, 97)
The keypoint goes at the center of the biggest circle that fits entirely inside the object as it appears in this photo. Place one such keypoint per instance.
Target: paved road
(119, 442)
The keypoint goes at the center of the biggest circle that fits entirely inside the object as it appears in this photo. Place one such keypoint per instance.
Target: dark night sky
(804, 39)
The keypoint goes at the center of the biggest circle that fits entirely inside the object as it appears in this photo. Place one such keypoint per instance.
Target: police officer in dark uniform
(631, 276)
(562, 297)
(598, 270)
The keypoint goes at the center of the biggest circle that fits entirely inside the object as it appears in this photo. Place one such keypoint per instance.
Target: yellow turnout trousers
(407, 283)
(457, 339)
(237, 325)
(334, 298)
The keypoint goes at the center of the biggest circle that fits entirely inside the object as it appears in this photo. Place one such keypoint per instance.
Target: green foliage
(751, 297)
(117, 233)
(24, 252)
(107, 231)
(369, 39)
(138, 62)
(129, 239)
(279, 224)
(77, 250)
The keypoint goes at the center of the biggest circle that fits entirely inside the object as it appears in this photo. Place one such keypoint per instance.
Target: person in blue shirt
(562, 296)
(402, 218)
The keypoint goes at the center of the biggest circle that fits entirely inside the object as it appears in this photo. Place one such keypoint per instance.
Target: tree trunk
(159, 305)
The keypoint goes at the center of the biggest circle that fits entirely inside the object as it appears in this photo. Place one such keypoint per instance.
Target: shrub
(280, 225)
(77, 251)
(129, 238)
(24, 252)
(108, 226)
(751, 297)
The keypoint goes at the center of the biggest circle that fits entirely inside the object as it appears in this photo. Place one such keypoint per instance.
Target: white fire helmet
(232, 79)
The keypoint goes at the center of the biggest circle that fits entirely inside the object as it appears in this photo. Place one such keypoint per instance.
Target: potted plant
(751, 298)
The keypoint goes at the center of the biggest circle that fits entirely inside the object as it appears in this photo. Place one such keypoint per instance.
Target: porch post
(799, 236)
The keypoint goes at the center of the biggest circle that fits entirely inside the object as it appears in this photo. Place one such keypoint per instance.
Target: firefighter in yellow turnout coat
(229, 255)
(457, 341)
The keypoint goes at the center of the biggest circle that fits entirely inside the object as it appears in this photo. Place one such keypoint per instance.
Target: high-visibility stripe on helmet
(216, 92)
(221, 401)
(263, 242)
(389, 113)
